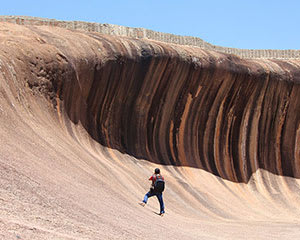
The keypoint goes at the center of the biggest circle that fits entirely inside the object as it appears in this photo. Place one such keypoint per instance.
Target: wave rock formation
(86, 117)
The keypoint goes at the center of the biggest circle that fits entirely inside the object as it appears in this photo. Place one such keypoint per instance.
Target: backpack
(159, 184)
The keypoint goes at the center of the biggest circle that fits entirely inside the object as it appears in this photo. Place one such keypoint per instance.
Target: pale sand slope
(58, 183)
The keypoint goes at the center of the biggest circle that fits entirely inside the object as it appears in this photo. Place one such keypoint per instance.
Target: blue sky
(255, 24)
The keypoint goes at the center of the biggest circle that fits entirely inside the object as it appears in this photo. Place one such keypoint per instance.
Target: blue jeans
(159, 197)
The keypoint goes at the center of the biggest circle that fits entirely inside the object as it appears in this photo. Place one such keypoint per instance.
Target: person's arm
(152, 184)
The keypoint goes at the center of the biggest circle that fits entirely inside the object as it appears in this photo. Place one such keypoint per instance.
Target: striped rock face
(86, 118)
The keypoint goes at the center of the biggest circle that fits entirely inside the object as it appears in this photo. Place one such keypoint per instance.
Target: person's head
(157, 171)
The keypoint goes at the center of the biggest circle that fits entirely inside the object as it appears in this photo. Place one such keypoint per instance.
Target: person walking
(157, 188)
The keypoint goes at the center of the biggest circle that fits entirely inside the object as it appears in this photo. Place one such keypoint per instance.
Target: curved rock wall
(169, 104)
